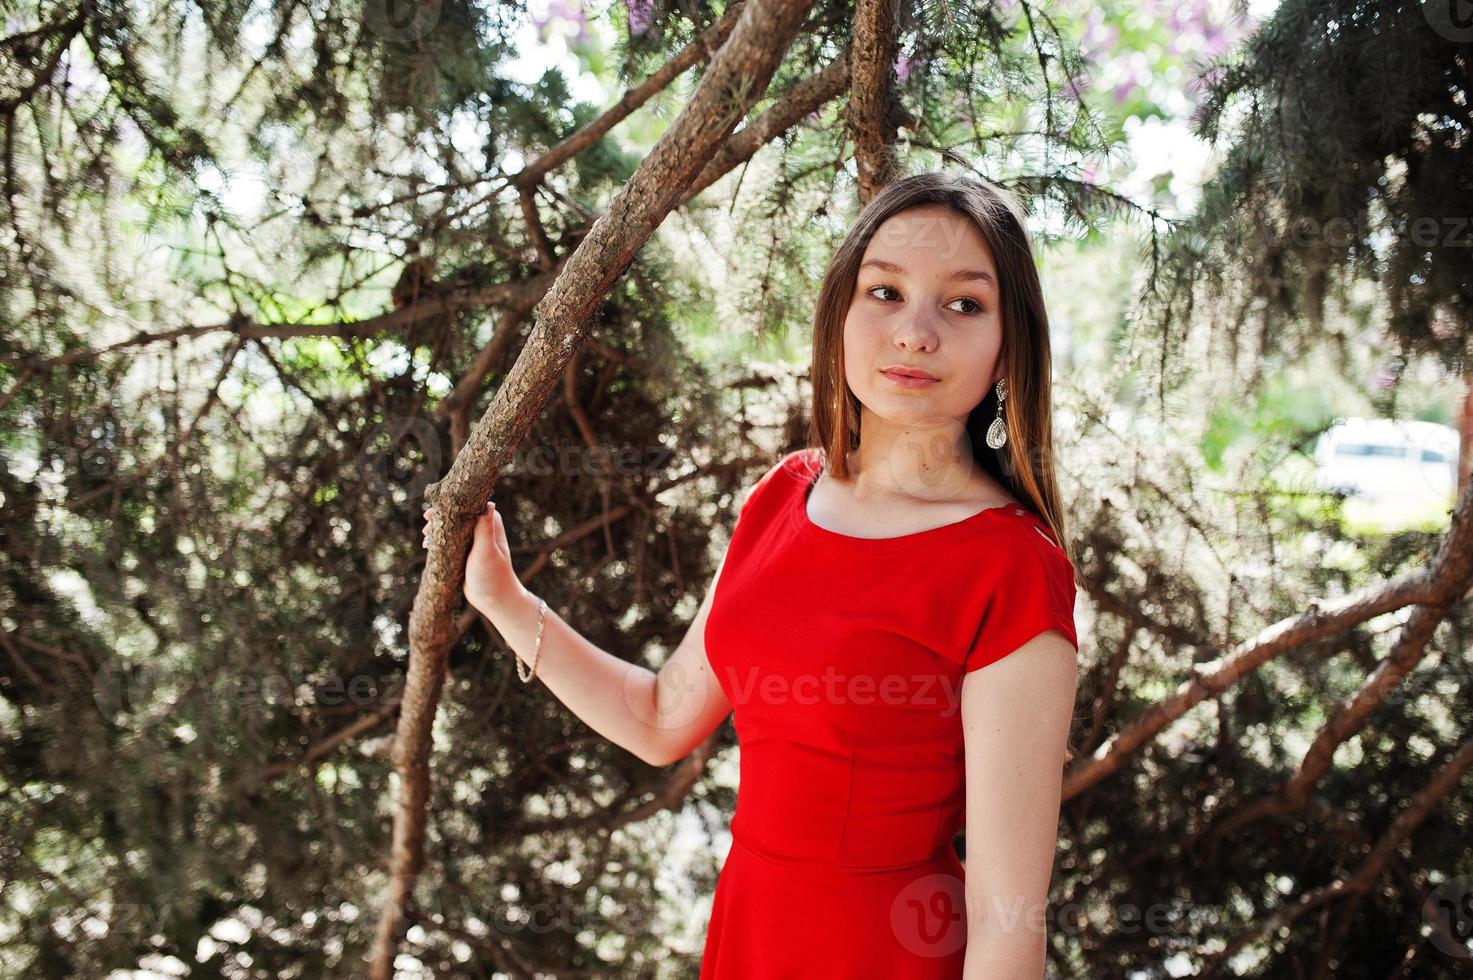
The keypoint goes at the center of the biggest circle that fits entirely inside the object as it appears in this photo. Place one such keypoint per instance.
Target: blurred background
(265, 266)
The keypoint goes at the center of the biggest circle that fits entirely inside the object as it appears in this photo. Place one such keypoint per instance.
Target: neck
(911, 461)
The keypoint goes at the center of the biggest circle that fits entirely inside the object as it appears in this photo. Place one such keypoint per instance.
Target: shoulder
(803, 462)
(795, 465)
(799, 464)
(1024, 588)
(1032, 549)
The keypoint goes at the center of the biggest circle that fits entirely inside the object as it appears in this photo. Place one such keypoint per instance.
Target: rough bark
(1465, 435)
(871, 102)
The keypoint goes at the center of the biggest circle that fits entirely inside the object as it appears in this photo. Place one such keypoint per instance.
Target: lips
(909, 377)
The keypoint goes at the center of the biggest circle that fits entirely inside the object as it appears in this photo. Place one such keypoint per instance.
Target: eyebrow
(967, 275)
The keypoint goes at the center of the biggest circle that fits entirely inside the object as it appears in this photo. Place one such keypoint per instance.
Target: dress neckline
(806, 477)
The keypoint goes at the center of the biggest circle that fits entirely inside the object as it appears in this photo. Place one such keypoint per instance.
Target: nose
(915, 334)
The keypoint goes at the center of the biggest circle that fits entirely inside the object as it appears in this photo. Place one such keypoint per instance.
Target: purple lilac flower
(572, 12)
(641, 15)
(1217, 42)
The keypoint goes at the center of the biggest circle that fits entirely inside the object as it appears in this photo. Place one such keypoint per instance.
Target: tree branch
(737, 77)
(871, 117)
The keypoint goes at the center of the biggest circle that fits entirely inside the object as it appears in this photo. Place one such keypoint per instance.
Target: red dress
(843, 659)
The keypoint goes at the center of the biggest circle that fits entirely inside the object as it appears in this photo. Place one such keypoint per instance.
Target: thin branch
(368, 722)
(1418, 809)
(1443, 582)
(795, 104)
(700, 49)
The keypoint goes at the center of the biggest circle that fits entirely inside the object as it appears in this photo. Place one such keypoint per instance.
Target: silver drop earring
(997, 432)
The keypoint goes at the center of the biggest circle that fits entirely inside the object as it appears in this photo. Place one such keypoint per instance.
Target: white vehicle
(1384, 461)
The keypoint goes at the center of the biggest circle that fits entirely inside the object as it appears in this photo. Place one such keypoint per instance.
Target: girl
(869, 580)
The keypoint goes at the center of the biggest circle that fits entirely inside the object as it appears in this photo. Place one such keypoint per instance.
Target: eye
(977, 307)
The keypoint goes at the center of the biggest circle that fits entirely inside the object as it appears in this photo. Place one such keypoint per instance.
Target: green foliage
(1284, 411)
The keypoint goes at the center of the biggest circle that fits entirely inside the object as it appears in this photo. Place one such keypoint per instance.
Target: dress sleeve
(792, 459)
(1033, 595)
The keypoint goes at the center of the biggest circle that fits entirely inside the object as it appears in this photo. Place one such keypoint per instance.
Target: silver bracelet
(537, 651)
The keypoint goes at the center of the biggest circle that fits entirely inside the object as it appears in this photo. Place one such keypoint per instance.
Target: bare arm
(1015, 720)
(660, 717)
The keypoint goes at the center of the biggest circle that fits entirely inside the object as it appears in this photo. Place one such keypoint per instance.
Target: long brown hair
(1025, 464)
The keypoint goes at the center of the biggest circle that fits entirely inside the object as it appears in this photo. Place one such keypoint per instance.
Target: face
(926, 298)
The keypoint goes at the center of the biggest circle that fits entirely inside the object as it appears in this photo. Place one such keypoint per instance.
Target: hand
(490, 580)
